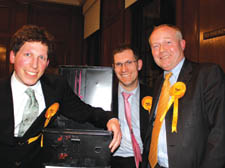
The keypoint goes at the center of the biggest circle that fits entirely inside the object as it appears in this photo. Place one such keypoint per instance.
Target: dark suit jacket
(15, 152)
(144, 114)
(200, 138)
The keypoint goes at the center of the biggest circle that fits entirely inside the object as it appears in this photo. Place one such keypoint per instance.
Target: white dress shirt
(20, 99)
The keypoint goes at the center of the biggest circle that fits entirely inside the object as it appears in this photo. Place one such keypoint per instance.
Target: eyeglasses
(127, 64)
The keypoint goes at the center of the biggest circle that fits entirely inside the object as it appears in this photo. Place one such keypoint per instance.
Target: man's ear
(140, 63)
(183, 44)
(12, 57)
(48, 62)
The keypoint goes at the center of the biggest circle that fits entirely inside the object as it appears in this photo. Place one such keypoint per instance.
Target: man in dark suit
(31, 48)
(198, 138)
(126, 66)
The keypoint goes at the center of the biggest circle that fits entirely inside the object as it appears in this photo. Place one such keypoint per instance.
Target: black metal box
(71, 144)
(77, 148)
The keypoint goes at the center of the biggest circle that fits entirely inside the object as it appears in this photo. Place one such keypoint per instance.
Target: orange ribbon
(176, 91)
(147, 103)
(51, 111)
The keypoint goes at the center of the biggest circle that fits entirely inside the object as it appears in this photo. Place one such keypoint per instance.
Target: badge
(147, 103)
(50, 112)
(176, 91)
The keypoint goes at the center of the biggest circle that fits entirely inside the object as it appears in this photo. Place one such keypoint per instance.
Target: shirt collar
(20, 87)
(121, 89)
(176, 70)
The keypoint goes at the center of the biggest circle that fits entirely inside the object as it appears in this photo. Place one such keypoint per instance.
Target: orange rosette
(51, 111)
(147, 103)
(176, 91)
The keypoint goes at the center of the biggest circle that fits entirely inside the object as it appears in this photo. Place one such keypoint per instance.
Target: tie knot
(126, 95)
(168, 75)
(30, 92)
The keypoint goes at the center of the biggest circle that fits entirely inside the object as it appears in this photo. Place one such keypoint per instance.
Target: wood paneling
(5, 14)
(112, 29)
(9, 12)
(110, 10)
(111, 37)
(188, 21)
(59, 20)
(198, 17)
(212, 18)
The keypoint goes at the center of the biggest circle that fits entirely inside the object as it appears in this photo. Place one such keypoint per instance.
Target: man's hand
(114, 126)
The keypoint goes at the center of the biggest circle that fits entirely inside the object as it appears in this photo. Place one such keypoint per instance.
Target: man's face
(30, 62)
(126, 68)
(167, 48)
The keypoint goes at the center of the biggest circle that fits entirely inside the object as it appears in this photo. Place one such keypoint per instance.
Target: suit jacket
(200, 138)
(144, 114)
(15, 152)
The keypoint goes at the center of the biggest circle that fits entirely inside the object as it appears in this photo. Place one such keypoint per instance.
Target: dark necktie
(30, 112)
(136, 148)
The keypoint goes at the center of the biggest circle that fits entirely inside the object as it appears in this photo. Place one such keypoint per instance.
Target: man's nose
(124, 67)
(35, 62)
(162, 48)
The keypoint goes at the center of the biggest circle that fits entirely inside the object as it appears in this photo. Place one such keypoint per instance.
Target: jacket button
(20, 143)
(18, 163)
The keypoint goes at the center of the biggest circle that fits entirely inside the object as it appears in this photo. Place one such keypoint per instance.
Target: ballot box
(76, 148)
(71, 144)
(93, 84)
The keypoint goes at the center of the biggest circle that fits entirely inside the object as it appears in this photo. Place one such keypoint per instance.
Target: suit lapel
(173, 138)
(48, 91)
(157, 88)
(115, 107)
(7, 114)
(144, 114)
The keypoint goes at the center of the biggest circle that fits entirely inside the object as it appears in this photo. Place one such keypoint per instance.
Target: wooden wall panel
(128, 25)
(196, 18)
(21, 17)
(111, 37)
(212, 18)
(59, 20)
(9, 12)
(112, 29)
(110, 10)
(190, 28)
(5, 13)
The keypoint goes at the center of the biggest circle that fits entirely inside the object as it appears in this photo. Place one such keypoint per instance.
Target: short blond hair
(177, 29)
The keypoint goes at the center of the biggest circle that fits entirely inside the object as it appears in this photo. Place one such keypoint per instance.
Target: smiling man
(127, 65)
(28, 91)
(197, 137)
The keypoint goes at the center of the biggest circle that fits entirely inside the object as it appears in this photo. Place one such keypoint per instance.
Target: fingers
(115, 141)
(114, 126)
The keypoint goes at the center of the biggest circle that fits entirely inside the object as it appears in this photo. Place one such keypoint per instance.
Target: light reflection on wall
(2, 54)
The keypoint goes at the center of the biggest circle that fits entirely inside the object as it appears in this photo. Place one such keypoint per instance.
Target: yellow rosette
(51, 111)
(176, 91)
(147, 103)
